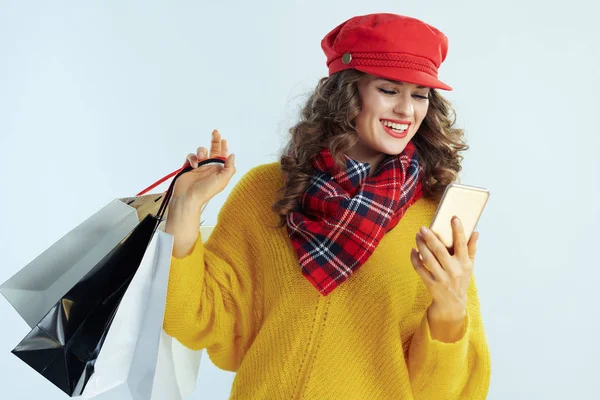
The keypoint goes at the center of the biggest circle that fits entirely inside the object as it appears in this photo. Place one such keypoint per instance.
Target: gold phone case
(466, 202)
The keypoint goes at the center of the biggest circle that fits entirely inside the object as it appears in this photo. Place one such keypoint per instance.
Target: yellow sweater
(241, 295)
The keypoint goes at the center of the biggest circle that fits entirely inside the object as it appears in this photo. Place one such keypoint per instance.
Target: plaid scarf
(342, 215)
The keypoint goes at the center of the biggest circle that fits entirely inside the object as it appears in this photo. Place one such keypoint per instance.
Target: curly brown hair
(327, 119)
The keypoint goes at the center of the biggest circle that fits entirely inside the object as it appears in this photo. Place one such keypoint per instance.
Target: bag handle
(186, 168)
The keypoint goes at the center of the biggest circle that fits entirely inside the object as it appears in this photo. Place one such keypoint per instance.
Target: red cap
(391, 46)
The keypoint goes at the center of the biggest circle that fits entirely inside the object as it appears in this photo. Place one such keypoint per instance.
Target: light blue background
(100, 99)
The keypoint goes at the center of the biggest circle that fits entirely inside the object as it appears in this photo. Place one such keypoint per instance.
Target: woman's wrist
(446, 324)
(448, 312)
(183, 221)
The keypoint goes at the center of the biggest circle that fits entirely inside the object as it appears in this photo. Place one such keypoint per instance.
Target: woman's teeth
(395, 127)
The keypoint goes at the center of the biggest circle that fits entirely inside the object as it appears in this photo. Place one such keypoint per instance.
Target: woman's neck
(373, 159)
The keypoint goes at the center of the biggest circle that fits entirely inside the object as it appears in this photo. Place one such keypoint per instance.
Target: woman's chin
(394, 149)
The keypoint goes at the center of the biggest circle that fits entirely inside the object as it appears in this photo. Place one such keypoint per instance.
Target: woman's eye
(393, 92)
(389, 92)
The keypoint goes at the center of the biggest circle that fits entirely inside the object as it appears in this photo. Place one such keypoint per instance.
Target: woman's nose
(404, 106)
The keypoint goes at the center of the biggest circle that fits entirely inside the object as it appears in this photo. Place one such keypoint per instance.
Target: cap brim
(405, 75)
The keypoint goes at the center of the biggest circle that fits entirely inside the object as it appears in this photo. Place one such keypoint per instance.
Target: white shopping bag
(177, 365)
(126, 365)
(138, 359)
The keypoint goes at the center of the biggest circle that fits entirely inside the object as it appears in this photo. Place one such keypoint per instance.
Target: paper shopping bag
(125, 368)
(178, 366)
(138, 359)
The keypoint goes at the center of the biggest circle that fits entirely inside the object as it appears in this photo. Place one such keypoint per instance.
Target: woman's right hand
(194, 189)
(201, 184)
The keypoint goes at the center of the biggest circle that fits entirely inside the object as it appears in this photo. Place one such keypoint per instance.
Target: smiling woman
(326, 304)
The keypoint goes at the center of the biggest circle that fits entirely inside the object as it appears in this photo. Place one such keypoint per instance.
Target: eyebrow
(400, 83)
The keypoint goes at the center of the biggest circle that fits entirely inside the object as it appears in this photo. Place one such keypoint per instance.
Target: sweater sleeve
(214, 297)
(459, 370)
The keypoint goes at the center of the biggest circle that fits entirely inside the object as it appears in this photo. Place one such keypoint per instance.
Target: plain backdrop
(99, 99)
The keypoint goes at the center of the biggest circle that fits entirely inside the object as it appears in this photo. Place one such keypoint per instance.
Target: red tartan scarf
(342, 215)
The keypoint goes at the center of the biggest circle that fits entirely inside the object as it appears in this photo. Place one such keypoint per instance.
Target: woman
(308, 286)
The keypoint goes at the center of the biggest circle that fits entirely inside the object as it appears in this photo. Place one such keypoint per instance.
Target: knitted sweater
(241, 295)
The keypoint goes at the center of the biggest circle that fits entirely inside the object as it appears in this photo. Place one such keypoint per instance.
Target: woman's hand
(194, 189)
(199, 185)
(446, 275)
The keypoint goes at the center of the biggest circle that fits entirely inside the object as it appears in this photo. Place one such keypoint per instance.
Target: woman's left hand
(446, 275)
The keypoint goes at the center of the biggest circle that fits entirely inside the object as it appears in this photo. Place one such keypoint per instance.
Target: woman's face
(391, 114)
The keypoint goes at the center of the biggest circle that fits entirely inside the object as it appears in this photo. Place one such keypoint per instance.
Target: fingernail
(423, 230)
(455, 221)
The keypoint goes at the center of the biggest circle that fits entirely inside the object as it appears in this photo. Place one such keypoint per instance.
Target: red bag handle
(172, 174)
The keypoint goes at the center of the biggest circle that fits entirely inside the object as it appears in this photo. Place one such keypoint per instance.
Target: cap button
(346, 58)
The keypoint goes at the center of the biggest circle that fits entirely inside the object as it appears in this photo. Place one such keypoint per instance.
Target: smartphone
(466, 202)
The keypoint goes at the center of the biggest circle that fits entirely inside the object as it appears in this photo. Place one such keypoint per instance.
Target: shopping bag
(65, 344)
(125, 368)
(177, 366)
(138, 359)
